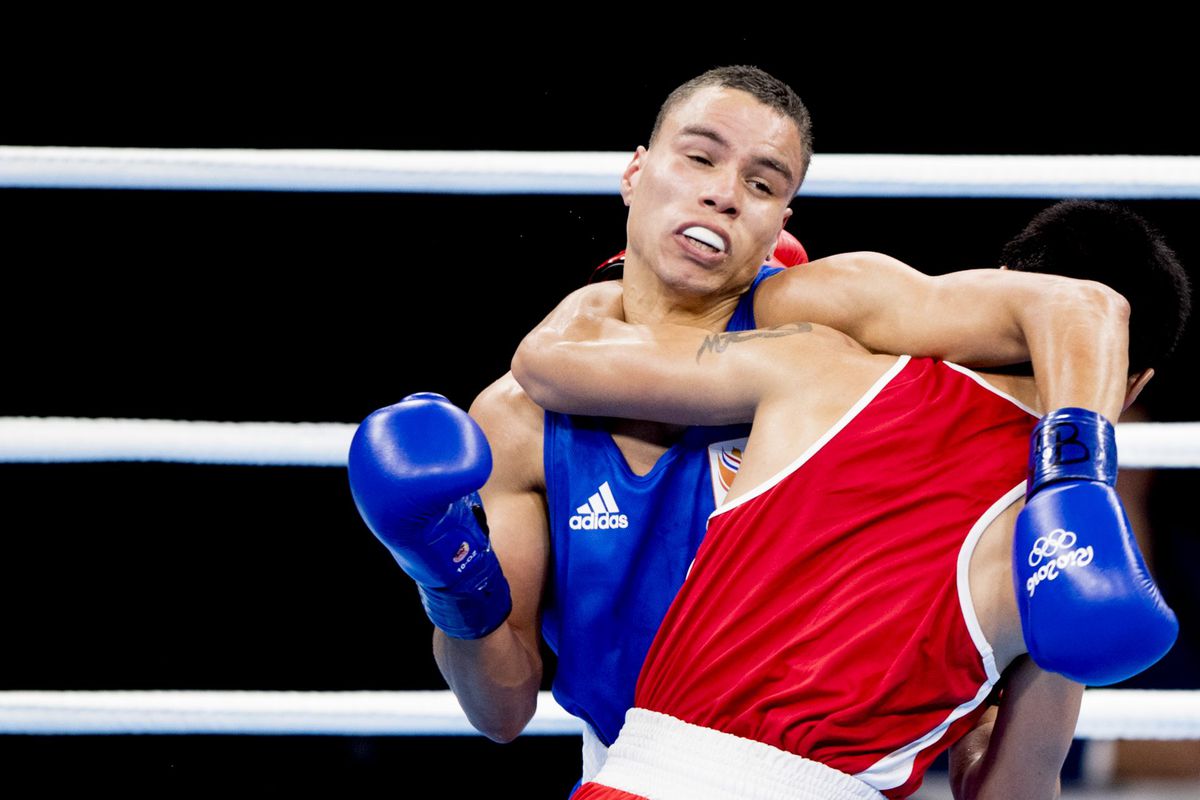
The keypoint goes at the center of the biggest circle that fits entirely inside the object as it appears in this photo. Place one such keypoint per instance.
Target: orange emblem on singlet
(724, 459)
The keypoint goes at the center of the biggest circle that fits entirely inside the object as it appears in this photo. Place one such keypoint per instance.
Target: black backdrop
(321, 307)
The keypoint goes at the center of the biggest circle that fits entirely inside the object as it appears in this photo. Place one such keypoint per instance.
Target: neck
(648, 300)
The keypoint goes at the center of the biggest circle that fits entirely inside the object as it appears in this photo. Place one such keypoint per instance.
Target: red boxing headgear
(788, 252)
(610, 269)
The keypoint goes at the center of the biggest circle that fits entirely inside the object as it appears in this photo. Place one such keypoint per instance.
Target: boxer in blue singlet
(621, 544)
(707, 200)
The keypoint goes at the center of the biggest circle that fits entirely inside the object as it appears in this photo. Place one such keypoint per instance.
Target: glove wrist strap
(473, 599)
(474, 610)
(1072, 444)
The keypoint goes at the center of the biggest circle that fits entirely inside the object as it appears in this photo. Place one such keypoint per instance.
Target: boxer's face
(723, 169)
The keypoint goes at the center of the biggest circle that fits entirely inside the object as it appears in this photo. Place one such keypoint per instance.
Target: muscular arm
(583, 360)
(496, 678)
(1075, 332)
(1019, 751)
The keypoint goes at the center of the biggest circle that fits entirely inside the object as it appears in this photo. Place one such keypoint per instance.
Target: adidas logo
(600, 512)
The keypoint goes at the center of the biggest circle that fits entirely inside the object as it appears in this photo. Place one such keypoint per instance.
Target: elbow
(530, 366)
(503, 734)
(520, 367)
(500, 734)
(1113, 304)
(542, 364)
(1103, 303)
(504, 728)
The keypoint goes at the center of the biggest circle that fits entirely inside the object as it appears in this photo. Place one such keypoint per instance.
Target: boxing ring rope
(416, 713)
(314, 444)
(1107, 714)
(494, 172)
(74, 439)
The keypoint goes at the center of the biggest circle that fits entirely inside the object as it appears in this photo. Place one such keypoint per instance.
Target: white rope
(1127, 177)
(66, 439)
(1106, 713)
(478, 172)
(1159, 444)
(492, 172)
(1139, 714)
(71, 439)
(326, 713)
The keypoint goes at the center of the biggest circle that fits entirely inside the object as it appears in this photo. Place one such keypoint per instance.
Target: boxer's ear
(630, 176)
(1137, 382)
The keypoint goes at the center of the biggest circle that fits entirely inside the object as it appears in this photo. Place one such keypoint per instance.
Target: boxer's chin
(692, 276)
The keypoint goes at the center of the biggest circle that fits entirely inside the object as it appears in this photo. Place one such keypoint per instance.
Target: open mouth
(707, 240)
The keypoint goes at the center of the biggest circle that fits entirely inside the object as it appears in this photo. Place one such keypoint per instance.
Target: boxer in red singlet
(851, 607)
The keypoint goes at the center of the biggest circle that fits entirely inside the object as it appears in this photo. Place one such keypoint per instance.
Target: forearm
(1019, 752)
(983, 780)
(1077, 336)
(973, 786)
(1074, 332)
(978, 778)
(967, 771)
(496, 679)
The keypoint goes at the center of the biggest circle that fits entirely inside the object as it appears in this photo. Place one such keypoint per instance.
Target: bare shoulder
(829, 291)
(514, 427)
(861, 265)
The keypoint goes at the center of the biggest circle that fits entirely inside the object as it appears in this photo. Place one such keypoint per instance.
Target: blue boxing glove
(415, 468)
(1089, 608)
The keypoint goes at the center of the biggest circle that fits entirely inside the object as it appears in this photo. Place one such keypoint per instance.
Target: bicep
(520, 538)
(889, 307)
(513, 499)
(1038, 713)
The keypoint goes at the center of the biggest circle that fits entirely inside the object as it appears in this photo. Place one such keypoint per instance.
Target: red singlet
(828, 613)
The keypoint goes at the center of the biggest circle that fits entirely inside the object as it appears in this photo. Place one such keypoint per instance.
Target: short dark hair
(766, 88)
(1110, 244)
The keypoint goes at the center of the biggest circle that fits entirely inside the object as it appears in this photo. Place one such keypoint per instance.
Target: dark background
(322, 307)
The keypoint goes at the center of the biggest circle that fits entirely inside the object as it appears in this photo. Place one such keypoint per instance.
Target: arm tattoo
(718, 342)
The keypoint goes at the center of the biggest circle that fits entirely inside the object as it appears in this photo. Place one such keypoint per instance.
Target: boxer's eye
(701, 160)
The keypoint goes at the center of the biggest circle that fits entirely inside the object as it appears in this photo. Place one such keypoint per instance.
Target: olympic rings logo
(1052, 554)
(1057, 541)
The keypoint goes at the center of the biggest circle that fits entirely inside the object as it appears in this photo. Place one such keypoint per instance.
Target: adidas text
(589, 522)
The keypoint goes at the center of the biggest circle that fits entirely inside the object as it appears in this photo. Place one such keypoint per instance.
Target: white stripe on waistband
(663, 758)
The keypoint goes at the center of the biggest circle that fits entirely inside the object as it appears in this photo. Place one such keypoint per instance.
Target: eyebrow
(763, 161)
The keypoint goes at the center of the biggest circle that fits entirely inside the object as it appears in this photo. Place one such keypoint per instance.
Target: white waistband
(663, 758)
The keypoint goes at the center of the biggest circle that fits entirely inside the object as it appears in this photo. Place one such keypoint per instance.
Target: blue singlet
(621, 545)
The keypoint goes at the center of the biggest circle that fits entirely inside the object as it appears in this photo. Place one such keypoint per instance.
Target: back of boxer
(707, 201)
(844, 604)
